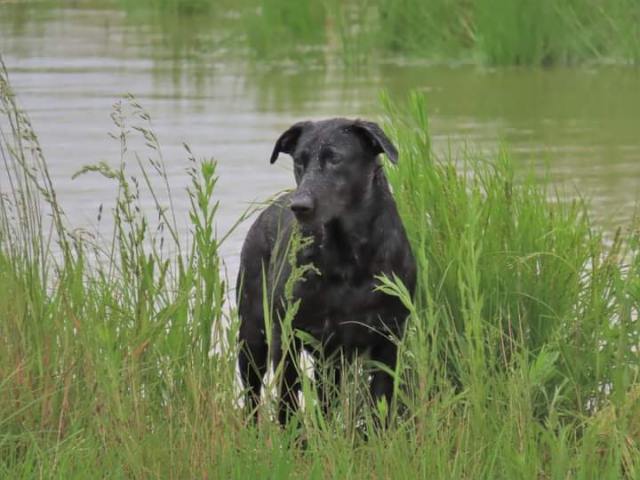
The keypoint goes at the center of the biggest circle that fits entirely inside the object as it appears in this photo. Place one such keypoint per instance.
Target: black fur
(343, 202)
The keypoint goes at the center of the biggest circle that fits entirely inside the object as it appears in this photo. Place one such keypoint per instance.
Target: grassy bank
(486, 32)
(504, 32)
(117, 355)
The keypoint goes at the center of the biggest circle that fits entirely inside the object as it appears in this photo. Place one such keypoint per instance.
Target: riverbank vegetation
(484, 32)
(505, 32)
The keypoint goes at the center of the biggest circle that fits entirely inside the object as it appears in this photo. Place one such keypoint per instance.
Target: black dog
(344, 204)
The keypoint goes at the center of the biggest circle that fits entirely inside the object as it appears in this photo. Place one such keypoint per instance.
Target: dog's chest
(326, 289)
(338, 268)
(327, 296)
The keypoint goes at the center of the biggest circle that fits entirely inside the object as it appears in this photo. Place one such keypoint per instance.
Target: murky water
(70, 65)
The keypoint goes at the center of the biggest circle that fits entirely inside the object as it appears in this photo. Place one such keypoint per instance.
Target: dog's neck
(352, 232)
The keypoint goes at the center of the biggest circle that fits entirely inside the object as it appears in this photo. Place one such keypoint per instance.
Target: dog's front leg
(285, 364)
(382, 382)
(327, 373)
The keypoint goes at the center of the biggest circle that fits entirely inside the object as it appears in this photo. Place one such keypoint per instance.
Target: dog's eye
(330, 156)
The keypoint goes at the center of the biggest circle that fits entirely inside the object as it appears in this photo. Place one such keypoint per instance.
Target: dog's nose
(302, 206)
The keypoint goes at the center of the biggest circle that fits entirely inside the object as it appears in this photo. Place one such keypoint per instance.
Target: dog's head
(335, 164)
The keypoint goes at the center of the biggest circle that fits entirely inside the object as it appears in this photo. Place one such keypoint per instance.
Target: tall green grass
(279, 29)
(112, 351)
(117, 355)
(513, 32)
(507, 258)
(490, 32)
(434, 29)
(547, 33)
(493, 32)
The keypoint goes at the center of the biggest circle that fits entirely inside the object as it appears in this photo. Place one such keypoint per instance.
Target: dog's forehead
(332, 132)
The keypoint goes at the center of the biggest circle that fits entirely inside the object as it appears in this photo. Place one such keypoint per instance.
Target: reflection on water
(69, 65)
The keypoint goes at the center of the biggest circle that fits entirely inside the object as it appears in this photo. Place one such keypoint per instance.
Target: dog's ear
(378, 139)
(289, 139)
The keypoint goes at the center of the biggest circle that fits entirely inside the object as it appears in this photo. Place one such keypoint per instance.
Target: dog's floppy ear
(289, 139)
(378, 139)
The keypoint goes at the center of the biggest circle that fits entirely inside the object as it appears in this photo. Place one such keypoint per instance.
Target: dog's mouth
(316, 218)
(314, 215)
(305, 218)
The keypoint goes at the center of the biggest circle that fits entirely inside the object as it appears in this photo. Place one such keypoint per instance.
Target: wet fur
(357, 235)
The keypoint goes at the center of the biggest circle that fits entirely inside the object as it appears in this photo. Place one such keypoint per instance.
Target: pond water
(70, 65)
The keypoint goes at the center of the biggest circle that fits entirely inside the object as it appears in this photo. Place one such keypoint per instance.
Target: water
(70, 65)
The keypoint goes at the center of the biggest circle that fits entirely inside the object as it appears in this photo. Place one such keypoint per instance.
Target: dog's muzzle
(302, 206)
